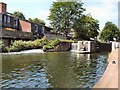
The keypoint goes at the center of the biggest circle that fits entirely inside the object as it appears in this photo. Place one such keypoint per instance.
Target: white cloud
(43, 13)
(103, 10)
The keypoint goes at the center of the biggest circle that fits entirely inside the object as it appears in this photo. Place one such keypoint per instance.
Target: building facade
(12, 28)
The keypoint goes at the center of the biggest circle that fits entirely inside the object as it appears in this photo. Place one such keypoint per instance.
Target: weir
(73, 46)
(93, 46)
(82, 47)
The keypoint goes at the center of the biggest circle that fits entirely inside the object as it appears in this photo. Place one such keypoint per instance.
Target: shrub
(29, 45)
(39, 43)
(51, 44)
(54, 42)
(19, 45)
(16, 46)
(1, 46)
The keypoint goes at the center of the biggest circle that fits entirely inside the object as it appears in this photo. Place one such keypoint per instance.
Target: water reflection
(55, 70)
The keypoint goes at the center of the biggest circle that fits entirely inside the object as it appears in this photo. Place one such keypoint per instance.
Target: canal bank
(110, 77)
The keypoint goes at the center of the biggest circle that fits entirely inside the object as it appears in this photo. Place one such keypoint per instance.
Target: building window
(8, 19)
(0, 18)
(36, 28)
(43, 30)
(5, 18)
(15, 22)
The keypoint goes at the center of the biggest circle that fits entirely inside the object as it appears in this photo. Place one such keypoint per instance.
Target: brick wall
(3, 8)
(25, 26)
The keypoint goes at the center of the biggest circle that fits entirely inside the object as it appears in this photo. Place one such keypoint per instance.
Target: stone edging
(110, 76)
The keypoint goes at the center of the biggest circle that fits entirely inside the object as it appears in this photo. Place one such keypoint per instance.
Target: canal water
(52, 70)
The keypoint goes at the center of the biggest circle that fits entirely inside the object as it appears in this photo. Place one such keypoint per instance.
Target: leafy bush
(1, 46)
(16, 46)
(19, 45)
(52, 43)
(1, 43)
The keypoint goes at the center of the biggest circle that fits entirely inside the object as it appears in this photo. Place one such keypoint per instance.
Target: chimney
(3, 8)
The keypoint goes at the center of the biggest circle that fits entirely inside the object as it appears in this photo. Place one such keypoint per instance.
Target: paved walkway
(110, 77)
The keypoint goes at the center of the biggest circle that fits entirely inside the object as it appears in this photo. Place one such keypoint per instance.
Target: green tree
(38, 21)
(109, 32)
(64, 14)
(86, 27)
(19, 15)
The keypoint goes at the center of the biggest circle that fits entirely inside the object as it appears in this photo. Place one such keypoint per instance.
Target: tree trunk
(66, 35)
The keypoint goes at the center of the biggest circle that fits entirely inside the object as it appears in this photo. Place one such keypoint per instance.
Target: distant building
(119, 14)
(50, 34)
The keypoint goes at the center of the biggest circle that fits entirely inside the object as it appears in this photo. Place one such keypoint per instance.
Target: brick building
(12, 28)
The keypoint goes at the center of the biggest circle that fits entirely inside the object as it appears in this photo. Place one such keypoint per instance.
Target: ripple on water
(40, 72)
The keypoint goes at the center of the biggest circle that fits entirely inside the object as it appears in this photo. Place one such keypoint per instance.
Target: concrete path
(110, 80)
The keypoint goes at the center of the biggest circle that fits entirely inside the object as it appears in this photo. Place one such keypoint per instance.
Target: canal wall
(105, 47)
(100, 47)
(62, 46)
(91, 46)
(110, 77)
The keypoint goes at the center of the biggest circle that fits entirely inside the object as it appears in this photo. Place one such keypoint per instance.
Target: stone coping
(110, 77)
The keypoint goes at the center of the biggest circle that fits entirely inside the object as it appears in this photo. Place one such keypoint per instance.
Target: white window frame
(36, 28)
(5, 18)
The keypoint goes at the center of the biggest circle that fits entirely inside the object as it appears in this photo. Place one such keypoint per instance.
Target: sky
(102, 10)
